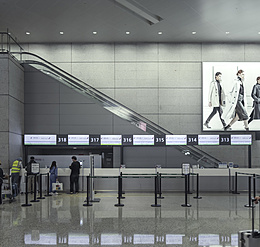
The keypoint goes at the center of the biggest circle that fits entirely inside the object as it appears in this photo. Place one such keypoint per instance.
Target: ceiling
(210, 19)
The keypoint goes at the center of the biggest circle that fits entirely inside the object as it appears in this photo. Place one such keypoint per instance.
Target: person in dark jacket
(74, 175)
(2, 176)
(255, 114)
(53, 176)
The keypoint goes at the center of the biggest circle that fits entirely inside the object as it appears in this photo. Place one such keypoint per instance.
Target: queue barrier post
(88, 191)
(235, 192)
(119, 204)
(254, 185)
(35, 189)
(121, 186)
(160, 186)
(41, 197)
(249, 205)
(197, 196)
(48, 184)
(155, 192)
(26, 204)
(186, 192)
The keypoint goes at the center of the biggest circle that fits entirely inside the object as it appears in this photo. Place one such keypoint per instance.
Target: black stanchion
(155, 192)
(88, 190)
(197, 196)
(48, 185)
(249, 205)
(35, 189)
(254, 185)
(119, 204)
(235, 192)
(41, 197)
(160, 186)
(121, 186)
(186, 193)
(189, 192)
(26, 204)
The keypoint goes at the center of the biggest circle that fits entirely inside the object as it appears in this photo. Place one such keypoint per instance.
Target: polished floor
(62, 220)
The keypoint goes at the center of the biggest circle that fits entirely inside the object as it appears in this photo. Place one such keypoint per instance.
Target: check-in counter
(211, 180)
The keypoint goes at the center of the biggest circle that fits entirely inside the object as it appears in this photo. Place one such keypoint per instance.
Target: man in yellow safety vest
(15, 172)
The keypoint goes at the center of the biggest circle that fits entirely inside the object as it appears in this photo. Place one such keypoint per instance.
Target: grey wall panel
(92, 52)
(84, 109)
(16, 116)
(4, 147)
(77, 119)
(180, 75)
(174, 158)
(16, 80)
(45, 109)
(179, 52)
(136, 52)
(44, 85)
(180, 101)
(85, 129)
(52, 52)
(223, 52)
(41, 128)
(137, 156)
(136, 75)
(15, 147)
(95, 74)
(4, 75)
(141, 100)
(4, 113)
(181, 124)
(252, 53)
(41, 98)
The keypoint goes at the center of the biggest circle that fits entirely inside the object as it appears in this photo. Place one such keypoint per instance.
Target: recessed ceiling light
(194, 32)
(227, 32)
(94, 32)
(61, 32)
(159, 33)
(127, 32)
(258, 32)
(28, 33)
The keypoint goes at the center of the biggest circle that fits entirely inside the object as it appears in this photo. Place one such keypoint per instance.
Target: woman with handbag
(53, 176)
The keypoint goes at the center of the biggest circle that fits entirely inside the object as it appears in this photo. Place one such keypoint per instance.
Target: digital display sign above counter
(241, 140)
(40, 140)
(138, 140)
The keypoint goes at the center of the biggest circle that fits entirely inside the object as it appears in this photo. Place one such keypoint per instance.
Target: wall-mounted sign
(143, 140)
(111, 139)
(176, 139)
(208, 140)
(78, 139)
(40, 140)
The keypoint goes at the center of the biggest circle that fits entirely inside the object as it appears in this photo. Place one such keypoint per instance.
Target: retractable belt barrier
(251, 177)
(27, 204)
(157, 186)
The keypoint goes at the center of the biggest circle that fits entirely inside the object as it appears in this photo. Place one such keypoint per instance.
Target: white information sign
(111, 140)
(143, 140)
(208, 140)
(40, 140)
(176, 139)
(241, 139)
(78, 139)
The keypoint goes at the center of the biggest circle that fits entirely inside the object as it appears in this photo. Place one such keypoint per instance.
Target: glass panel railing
(201, 158)
(8, 43)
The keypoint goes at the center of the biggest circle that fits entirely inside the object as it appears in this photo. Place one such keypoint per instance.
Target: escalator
(35, 61)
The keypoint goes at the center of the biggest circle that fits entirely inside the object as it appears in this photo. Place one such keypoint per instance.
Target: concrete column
(11, 110)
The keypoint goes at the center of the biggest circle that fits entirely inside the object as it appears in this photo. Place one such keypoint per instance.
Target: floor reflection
(63, 221)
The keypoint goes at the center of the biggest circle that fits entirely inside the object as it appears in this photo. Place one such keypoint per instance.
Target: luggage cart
(7, 191)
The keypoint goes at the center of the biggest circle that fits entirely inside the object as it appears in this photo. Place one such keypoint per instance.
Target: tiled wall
(161, 81)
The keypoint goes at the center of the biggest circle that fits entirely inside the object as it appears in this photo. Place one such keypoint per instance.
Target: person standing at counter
(53, 176)
(74, 175)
